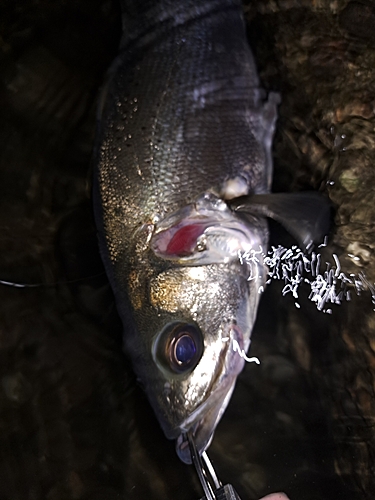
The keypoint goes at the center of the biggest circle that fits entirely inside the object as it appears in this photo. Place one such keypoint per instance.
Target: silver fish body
(184, 127)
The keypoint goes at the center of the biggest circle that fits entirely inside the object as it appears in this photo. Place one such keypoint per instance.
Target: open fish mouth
(202, 424)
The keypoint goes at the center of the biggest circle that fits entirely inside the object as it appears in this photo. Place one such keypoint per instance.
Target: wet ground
(74, 424)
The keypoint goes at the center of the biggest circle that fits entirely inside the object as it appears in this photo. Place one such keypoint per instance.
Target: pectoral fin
(306, 216)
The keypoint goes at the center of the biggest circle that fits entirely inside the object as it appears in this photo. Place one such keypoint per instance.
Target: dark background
(73, 422)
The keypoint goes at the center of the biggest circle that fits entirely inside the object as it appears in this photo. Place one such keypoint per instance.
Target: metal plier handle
(212, 487)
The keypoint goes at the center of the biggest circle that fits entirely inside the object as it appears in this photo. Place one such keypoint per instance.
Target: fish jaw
(207, 396)
(202, 427)
(204, 420)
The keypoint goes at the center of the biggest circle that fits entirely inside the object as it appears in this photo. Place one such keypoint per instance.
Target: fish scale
(207, 144)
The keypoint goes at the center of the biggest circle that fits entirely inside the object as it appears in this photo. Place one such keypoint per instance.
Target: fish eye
(179, 347)
(182, 350)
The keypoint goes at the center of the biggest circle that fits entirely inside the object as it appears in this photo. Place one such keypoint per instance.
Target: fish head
(196, 324)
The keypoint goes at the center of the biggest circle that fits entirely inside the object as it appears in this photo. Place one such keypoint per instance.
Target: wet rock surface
(74, 423)
(320, 55)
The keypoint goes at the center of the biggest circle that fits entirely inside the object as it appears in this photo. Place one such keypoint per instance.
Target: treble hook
(212, 486)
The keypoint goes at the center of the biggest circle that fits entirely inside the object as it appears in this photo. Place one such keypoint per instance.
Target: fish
(184, 143)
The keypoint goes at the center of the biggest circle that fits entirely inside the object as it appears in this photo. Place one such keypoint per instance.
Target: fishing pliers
(212, 486)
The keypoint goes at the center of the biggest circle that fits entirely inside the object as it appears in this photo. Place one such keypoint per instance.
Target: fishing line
(37, 285)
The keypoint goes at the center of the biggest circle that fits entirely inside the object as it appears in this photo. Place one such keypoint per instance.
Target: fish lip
(182, 444)
(202, 424)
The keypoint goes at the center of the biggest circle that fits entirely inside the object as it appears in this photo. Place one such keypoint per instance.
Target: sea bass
(184, 128)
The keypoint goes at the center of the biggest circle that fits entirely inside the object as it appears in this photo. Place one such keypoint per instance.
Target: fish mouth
(201, 425)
